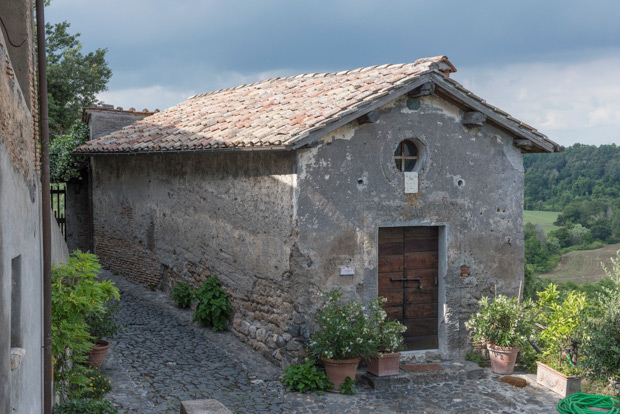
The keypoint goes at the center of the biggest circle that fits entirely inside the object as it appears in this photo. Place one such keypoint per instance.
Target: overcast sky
(554, 64)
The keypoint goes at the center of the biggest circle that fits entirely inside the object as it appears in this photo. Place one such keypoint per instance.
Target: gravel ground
(161, 358)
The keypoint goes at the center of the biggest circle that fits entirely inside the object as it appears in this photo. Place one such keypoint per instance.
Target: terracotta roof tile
(273, 112)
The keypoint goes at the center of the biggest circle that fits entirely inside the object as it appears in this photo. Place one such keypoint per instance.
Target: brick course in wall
(131, 259)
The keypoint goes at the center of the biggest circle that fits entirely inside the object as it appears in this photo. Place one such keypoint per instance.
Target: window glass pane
(399, 164)
(398, 151)
(410, 148)
(409, 164)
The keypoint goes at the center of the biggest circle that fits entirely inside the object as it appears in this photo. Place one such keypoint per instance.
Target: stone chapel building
(389, 180)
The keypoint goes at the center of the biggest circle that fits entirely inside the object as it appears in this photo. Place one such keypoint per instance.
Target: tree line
(583, 184)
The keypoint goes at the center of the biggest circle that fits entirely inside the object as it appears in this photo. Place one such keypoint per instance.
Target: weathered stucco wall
(159, 219)
(20, 217)
(471, 186)
(102, 120)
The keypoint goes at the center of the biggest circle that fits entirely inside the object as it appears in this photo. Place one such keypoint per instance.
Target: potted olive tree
(560, 320)
(504, 324)
(342, 339)
(388, 340)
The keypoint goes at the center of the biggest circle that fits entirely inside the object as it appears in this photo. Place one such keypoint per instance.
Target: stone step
(203, 407)
(424, 374)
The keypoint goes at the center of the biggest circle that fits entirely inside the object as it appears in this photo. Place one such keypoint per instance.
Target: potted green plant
(76, 294)
(560, 319)
(102, 327)
(388, 340)
(504, 324)
(342, 339)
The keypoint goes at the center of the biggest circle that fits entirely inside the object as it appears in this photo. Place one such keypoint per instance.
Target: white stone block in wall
(411, 182)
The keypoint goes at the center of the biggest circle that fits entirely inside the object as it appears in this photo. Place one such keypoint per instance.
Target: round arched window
(406, 156)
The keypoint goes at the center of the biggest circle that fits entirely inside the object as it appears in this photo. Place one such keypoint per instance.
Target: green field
(544, 218)
(583, 265)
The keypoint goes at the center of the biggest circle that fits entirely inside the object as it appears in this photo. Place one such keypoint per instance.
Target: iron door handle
(416, 279)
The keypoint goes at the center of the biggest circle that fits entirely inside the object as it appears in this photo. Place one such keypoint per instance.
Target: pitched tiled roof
(275, 113)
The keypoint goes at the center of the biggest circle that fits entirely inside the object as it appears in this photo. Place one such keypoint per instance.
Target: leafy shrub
(503, 322)
(98, 384)
(101, 324)
(213, 306)
(348, 387)
(475, 356)
(527, 358)
(76, 293)
(183, 295)
(63, 165)
(305, 378)
(386, 335)
(561, 317)
(343, 330)
(601, 341)
(85, 405)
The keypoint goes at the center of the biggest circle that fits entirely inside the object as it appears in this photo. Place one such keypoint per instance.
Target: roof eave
(540, 143)
(198, 150)
(444, 87)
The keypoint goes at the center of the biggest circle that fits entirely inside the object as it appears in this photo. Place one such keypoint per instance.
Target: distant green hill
(581, 172)
(574, 196)
(583, 182)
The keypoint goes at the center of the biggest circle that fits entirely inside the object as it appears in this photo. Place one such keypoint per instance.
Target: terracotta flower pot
(503, 358)
(96, 355)
(384, 365)
(338, 370)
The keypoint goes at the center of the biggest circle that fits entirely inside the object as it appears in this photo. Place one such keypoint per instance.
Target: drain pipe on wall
(45, 213)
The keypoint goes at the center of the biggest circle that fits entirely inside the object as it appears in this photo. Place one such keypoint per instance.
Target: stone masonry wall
(161, 219)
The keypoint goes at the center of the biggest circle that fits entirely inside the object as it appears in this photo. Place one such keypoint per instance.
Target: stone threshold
(424, 374)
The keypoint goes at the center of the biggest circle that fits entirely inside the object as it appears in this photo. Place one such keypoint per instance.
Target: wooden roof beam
(524, 144)
(368, 118)
(473, 119)
(424, 90)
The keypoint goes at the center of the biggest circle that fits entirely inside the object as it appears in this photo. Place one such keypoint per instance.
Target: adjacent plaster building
(101, 120)
(391, 180)
(21, 254)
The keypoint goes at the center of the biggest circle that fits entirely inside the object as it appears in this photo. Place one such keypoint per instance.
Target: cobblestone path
(161, 359)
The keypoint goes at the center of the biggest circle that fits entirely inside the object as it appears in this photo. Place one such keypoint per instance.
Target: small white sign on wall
(347, 271)
(411, 182)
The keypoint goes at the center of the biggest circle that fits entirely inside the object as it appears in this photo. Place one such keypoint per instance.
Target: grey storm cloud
(193, 46)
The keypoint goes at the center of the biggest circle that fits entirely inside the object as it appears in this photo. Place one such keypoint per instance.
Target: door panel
(421, 260)
(418, 245)
(408, 277)
(421, 310)
(391, 263)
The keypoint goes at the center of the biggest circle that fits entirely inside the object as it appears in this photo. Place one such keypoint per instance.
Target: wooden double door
(408, 278)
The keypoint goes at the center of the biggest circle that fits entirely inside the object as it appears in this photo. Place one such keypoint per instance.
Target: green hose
(581, 403)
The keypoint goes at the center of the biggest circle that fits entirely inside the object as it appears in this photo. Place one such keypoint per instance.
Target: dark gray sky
(554, 64)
